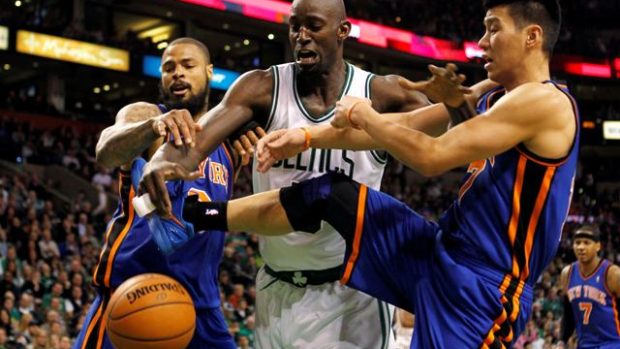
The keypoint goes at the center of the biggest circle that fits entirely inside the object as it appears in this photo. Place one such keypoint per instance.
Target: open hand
(445, 86)
(279, 145)
(154, 180)
(244, 145)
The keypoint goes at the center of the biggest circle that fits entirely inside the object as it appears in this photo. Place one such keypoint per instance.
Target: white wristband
(143, 205)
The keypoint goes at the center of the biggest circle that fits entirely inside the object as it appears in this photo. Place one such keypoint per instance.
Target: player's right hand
(445, 86)
(244, 145)
(180, 124)
(279, 145)
(154, 180)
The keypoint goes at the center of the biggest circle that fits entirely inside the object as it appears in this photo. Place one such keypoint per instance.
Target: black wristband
(461, 113)
(205, 215)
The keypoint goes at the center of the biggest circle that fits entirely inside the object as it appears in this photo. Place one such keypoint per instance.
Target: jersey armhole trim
(559, 161)
(274, 96)
(380, 156)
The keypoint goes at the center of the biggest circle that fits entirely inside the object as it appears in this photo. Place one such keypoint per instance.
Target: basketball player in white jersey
(300, 303)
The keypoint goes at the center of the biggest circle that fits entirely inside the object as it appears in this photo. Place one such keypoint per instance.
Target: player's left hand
(345, 114)
(279, 145)
(445, 86)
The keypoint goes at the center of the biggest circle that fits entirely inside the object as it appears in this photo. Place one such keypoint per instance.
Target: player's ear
(344, 29)
(209, 69)
(534, 36)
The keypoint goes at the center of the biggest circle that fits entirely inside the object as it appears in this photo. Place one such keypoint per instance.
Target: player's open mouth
(306, 57)
(179, 89)
(488, 63)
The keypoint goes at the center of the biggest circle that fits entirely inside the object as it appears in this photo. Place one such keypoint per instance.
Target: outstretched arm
(248, 99)
(547, 124)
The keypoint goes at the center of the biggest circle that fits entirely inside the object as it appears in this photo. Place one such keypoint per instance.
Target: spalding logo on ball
(151, 311)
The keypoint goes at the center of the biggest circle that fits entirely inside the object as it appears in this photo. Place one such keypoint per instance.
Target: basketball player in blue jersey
(128, 248)
(592, 287)
(468, 278)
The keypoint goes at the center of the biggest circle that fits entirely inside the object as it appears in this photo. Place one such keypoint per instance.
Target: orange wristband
(351, 112)
(308, 137)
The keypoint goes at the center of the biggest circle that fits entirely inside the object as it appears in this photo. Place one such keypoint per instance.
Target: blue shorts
(398, 256)
(211, 329)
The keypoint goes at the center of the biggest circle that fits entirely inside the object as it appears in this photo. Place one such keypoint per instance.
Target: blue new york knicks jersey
(594, 306)
(129, 249)
(510, 210)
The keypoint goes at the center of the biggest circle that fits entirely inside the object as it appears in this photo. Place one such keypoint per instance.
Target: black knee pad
(332, 197)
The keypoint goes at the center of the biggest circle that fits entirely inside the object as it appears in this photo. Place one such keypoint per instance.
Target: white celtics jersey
(324, 249)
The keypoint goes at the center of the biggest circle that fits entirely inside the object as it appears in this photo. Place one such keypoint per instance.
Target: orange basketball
(151, 311)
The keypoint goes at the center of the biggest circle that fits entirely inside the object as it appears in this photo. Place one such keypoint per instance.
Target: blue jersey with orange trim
(511, 208)
(594, 306)
(129, 249)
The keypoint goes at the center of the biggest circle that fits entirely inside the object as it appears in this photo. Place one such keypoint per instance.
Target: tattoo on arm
(119, 144)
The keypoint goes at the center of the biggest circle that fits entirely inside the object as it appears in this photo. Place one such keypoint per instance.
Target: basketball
(151, 311)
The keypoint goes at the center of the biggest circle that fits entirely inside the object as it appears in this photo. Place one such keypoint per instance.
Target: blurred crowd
(451, 19)
(24, 142)
(462, 21)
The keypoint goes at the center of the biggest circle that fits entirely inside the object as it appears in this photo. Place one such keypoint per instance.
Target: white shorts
(327, 316)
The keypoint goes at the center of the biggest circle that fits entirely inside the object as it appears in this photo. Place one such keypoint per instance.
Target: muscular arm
(546, 124)
(131, 134)
(424, 120)
(613, 280)
(432, 120)
(248, 98)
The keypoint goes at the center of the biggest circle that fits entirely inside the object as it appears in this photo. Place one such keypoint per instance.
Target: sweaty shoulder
(255, 86)
(137, 112)
(542, 103)
(389, 97)
(544, 116)
(253, 90)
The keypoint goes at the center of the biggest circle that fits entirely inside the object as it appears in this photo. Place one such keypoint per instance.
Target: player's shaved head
(334, 8)
(190, 41)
